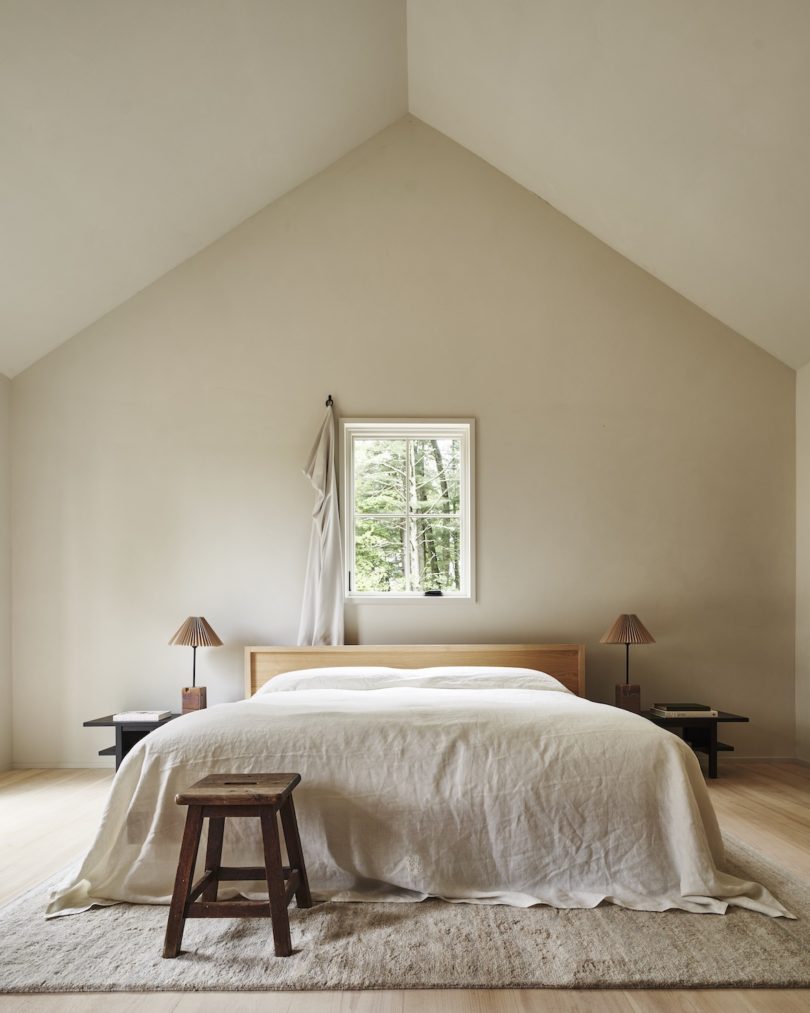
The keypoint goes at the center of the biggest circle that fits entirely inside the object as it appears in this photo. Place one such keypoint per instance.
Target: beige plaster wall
(633, 453)
(803, 563)
(5, 574)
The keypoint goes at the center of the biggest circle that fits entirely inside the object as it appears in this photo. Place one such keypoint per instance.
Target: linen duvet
(484, 785)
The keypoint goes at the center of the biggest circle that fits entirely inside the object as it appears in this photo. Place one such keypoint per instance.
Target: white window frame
(457, 429)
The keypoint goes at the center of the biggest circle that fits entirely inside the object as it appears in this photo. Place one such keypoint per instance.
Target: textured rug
(427, 945)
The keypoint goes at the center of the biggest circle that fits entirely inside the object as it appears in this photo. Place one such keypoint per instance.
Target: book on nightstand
(683, 710)
(141, 715)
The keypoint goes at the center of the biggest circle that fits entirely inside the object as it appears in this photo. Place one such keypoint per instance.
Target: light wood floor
(47, 817)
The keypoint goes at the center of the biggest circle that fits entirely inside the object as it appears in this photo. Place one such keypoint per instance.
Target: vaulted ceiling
(676, 131)
(136, 132)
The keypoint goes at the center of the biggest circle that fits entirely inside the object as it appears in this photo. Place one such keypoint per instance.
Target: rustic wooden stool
(216, 798)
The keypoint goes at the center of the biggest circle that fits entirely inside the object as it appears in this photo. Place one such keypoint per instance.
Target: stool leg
(182, 882)
(213, 853)
(303, 898)
(275, 884)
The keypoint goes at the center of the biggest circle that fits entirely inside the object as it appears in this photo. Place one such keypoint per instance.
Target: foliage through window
(407, 507)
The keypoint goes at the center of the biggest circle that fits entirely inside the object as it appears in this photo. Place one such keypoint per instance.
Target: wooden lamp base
(194, 699)
(628, 697)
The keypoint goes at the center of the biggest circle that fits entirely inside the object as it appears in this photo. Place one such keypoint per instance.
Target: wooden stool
(217, 797)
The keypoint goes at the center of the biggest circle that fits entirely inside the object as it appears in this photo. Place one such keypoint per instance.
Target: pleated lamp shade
(196, 632)
(628, 629)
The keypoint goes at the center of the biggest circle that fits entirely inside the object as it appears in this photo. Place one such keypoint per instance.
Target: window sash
(402, 429)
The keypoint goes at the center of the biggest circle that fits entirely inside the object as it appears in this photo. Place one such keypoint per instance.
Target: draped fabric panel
(322, 608)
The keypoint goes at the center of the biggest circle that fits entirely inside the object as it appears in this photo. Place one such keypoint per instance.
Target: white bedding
(493, 786)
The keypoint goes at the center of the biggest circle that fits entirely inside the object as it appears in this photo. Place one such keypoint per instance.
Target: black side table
(700, 733)
(127, 733)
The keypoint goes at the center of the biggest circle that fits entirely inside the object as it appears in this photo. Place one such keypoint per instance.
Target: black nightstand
(127, 733)
(700, 733)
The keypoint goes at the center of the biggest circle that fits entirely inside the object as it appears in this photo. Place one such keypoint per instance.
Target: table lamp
(628, 629)
(195, 632)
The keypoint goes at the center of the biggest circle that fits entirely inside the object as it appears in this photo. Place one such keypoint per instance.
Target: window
(407, 495)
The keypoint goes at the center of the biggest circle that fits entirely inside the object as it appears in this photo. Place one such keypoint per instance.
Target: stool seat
(239, 789)
(217, 797)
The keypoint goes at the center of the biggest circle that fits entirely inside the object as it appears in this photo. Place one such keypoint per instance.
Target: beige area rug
(427, 945)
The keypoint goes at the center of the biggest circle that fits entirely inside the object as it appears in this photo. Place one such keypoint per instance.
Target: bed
(472, 773)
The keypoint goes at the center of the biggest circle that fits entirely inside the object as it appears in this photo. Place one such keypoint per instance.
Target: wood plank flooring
(47, 818)
(767, 804)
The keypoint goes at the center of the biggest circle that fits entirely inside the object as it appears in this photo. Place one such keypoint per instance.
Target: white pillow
(336, 677)
(369, 677)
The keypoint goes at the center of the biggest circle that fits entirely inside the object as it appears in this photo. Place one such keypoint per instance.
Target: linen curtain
(322, 608)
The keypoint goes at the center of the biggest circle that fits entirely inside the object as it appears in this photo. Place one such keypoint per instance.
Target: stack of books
(141, 715)
(682, 710)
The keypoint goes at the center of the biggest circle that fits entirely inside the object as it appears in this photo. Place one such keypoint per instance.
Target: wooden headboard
(565, 662)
